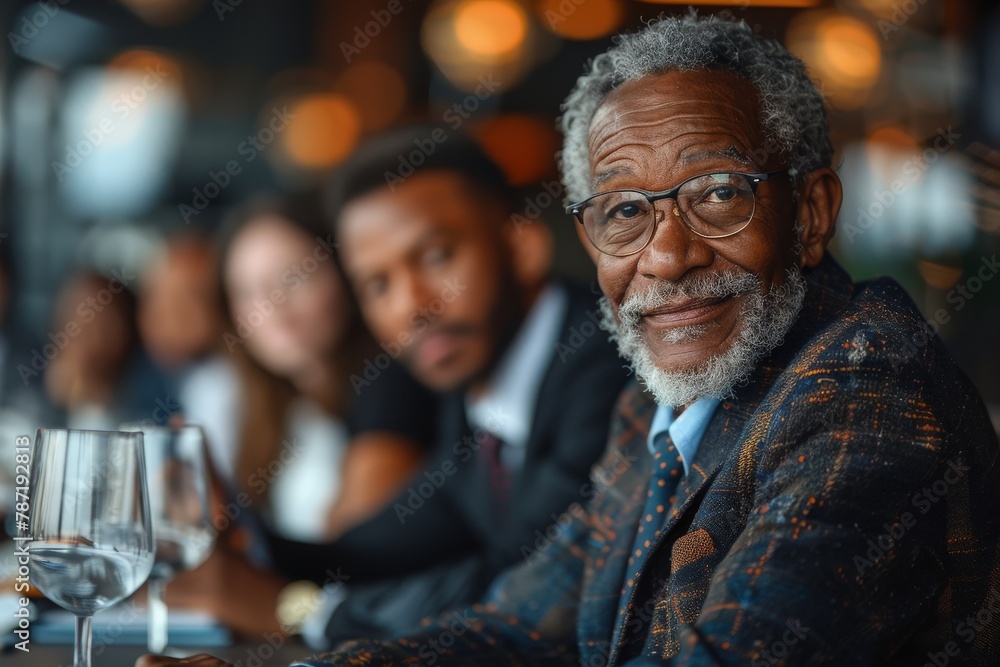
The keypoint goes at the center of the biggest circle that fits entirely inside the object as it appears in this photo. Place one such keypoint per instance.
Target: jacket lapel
(616, 514)
(720, 437)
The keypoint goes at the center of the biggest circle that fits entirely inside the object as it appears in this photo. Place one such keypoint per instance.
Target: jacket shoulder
(879, 367)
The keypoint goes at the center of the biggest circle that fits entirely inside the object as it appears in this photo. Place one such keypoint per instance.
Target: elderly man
(800, 492)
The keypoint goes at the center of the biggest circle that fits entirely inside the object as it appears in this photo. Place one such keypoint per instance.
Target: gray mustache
(701, 286)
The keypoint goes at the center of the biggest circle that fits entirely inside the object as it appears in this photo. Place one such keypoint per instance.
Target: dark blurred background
(124, 121)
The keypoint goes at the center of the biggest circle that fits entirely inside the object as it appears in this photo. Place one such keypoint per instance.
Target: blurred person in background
(316, 453)
(181, 323)
(299, 339)
(460, 292)
(99, 375)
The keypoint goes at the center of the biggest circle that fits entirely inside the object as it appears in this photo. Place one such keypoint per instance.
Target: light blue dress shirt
(686, 431)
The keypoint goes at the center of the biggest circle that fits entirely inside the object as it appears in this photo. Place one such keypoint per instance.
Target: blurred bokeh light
(323, 130)
(581, 20)
(470, 39)
(842, 53)
(522, 144)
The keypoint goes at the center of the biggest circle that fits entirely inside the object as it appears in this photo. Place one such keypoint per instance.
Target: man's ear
(820, 196)
(530, 243)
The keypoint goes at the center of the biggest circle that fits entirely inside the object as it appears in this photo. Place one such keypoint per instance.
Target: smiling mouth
(685, 313)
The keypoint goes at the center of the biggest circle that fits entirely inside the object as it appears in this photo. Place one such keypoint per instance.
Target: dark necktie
(668, 468)
(498, 475)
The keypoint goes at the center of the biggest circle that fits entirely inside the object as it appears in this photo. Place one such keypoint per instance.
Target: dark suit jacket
(843, 509)
(448, 512)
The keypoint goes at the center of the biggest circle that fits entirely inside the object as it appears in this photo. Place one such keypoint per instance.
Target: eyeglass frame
(755, 179)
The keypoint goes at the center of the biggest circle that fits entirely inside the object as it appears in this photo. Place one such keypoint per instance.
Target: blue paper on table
(125, 625)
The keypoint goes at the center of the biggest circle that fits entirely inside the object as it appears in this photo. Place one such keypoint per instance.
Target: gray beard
(765, 319)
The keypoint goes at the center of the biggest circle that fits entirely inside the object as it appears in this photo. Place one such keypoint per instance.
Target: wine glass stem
(81, 648)
(157, 610)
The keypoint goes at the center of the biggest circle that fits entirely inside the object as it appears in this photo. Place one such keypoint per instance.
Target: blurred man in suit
(808, 487)
(456, 287)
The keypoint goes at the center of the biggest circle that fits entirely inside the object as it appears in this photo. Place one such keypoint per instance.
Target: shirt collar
(507, 406)
(686, 431)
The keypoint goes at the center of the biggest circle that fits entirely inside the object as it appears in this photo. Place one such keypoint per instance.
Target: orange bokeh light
(851, 49)
(324, 130)
(490, 27)
(589, 20)
(524, 146)
(842, 53)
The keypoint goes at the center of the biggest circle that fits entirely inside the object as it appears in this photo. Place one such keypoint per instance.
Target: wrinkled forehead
(671, 114)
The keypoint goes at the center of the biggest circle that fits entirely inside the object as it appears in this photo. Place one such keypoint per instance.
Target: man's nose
(674, 249)
(413, 298)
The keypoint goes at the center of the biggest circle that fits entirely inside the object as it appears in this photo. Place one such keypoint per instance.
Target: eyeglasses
(622, 222)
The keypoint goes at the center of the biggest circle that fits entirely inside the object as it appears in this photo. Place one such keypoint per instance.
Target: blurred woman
(181, 324)
(98, 374)
(321, 448)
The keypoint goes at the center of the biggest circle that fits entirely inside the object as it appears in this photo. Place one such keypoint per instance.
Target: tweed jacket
(843, 509)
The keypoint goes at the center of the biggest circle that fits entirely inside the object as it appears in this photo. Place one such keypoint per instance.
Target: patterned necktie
(668, 468)
(498, 474)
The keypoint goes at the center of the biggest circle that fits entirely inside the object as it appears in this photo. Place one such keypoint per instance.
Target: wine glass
(178, 481)
(90, 526)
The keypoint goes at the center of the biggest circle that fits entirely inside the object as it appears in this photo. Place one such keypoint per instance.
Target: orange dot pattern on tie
(668, 468)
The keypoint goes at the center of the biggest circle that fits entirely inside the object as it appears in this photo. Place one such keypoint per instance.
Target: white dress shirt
(506, 408)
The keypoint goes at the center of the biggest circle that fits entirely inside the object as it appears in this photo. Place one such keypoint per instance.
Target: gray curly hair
(793, 112)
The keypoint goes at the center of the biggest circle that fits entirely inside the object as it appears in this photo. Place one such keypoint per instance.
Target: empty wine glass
(178, 480)
(90, 526)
